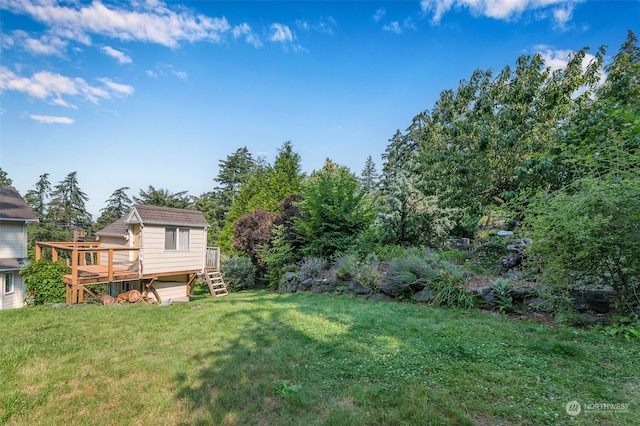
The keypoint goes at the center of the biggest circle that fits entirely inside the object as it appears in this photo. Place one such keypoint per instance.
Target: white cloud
(501, 9)
(166, 69)
(280, 33)
(121, 57)
(393, 27)
(45, 45)
(151, 22)
(250, 37)
(47, 85)
(324, 25)
(51, 119)
(379, 15)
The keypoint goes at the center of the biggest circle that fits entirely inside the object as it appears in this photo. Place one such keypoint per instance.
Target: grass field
(304, 359)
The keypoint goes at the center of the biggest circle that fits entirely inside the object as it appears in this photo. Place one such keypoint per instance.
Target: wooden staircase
(216, 284)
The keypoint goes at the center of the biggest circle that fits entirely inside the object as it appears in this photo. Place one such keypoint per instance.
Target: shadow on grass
(319, 359)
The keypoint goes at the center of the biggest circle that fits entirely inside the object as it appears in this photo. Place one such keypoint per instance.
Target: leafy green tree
(38, 198)
(4, 178)
(118, 205)
(265, 189)
(67, 205)
(209, 204)
(252, 232)
(164, 198)
(589, 232)
(335, 211)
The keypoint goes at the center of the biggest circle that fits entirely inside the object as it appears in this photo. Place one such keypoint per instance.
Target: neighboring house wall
(13, 240)
(157, 260)
(13, 245)
(14, 298)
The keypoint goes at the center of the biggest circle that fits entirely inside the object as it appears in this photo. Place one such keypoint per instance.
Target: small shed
(158, 251)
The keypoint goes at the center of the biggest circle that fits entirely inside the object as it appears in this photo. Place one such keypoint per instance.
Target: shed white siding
(157, 260)
(170, 290)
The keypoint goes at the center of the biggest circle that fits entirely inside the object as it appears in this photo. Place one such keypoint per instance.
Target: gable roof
(154, 215)
(115, 229)
(13, 206)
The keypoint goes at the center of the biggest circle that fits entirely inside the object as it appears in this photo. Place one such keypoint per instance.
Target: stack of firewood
(131, 296)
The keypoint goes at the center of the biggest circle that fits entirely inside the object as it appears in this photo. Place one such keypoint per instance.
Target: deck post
(74, 268)
(38, 252)
(110, 265)
(54, 254)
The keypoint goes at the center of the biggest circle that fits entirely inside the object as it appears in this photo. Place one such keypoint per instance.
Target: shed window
(176, 238)
(8, 283)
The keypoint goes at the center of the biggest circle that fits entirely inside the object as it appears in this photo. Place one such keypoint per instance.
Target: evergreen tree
(38, 198)
(164, 198)
(233, 171)
(67, 205)
(4, 178)
(118, 205)
(369, 177)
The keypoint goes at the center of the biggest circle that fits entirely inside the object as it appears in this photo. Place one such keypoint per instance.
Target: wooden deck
(94, 274)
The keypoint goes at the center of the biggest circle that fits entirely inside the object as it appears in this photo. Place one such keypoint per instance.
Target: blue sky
(156, 93)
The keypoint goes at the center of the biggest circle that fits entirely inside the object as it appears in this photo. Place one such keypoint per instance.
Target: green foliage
(67, 205)
(626, 327)
(450, 285)
(44, 281)
(239, 273)
(278, 257)
(501, 289)
(164, 198)
(37, 198)
(486, 257)
(406, 275)
(590, 232)
(334, 211)
(5, 180)
(369, 272)
(118, 205)
(311, 267)
(345, 267)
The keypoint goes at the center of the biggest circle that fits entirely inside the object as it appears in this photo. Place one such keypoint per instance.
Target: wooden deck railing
(86, 254)
(213, 258)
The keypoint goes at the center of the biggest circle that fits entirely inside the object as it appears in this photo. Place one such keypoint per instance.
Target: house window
(176, 238)
(8, 283)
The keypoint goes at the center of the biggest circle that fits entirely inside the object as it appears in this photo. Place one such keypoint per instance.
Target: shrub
(486, 259)
(345, 267)
(589, 232)
(311, 267)
(450, 285)
(369, 273)
(501, 289)
(44, 281)
(239, 273)
(406, 276)
(278, 256)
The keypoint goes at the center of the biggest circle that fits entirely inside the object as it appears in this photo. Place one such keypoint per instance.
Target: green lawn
(305, 359)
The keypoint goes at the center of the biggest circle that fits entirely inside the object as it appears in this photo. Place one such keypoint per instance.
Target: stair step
(216, 284)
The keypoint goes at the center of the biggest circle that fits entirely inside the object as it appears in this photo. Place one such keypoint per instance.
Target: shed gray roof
(11, 264)
(13, 206)
(115, 229)
(154, 215)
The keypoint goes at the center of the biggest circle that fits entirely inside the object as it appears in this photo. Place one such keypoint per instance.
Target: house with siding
(15, 215)
(159, 251)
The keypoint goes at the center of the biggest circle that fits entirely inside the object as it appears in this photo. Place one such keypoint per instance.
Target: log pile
(131, 296)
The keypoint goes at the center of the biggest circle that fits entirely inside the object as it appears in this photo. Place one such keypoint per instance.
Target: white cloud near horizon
(51, 119)
(119, 56)
(501, 9)
(47, 85)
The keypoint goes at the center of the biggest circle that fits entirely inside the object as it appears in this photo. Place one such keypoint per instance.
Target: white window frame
(178, 242)
(8, 286)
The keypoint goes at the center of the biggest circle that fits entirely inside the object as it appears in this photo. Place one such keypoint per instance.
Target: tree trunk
(105, 299)
(133, 296)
